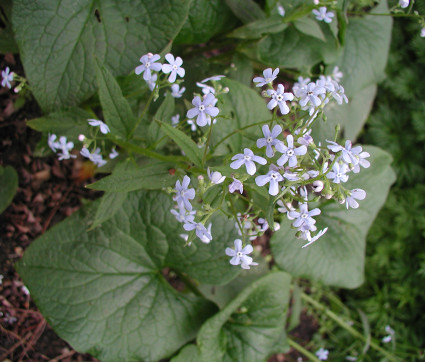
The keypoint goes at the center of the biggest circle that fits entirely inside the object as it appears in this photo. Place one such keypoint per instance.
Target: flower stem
(302, 350)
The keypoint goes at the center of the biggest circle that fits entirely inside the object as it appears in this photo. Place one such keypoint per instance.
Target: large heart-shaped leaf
(59, 40)
(103, 290)
(251, 326)
(338, 257)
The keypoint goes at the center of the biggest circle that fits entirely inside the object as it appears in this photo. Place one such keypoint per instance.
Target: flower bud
(328, 196)
(81, 138)
(226, 90)
(318, 186)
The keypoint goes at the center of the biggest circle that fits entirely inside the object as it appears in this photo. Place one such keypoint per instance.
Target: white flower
(152, 81)
(338, 173)
(309, 95)
(358, 194)
(423, 32)
(390, 336)
(176, 91)
(348, 152)
(175, 120)
(337, 74)
(403, 3)
(51, 141)
(206, 89)
(281, 10)
(240, 255)
(264, 225)
(303, 217)
(203, 109)
(273, 177)
(201, 232)
(95, 156)
(247, 158)
(183, 194)
(282, 207)
(339, 95)
(387, 339)
(213, 78)
(322, 354)
(301, 84)
(7, 78)
(270, 139)
(103, 127)
(148, 63)
(279, 98)
(317, 236)
(323, 14)
(183, 216)
(174, 67)
(215, 176)
(306, 139)
(65, 148)
(318, 185)
(269, 77)
(289, 152)
(236, 185)
(360, 158)
(113, 153)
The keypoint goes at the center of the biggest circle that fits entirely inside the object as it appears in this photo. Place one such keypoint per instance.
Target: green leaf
(364, 57)
(250, 327)
(109, 205)
(189, 147)
(206, 19)
(59, 40)
(189, 353)
(9, 185)
(310, 27)
(244, 106)
(69, 122)
(351, 116)
(337, 258)
(163, 114)
(152, 176)
(246, 10)
(103, 290)
(116, 109)
(242, 70)
(259, 28)
(7, 38)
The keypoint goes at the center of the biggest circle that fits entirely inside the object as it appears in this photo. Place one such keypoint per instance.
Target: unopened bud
(201, 178)
(150, 55)
(226, 90)
(318, 186)
(264, 94)
(328, 196)
(341, 201)
(81, 138)
(276, 226)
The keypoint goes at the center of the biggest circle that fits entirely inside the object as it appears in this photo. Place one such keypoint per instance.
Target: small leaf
(246, 10)
(259, 28)
(187, 145)
(309, 27)
(9, 185)
(338, 257)
(116, 109)
(152, 176)
(251, 325)
(163, 114)
(110, 203)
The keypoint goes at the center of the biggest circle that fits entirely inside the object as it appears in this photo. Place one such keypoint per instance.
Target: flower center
(247, 158)
(201, 108)
(268, 80)
(182, 193)
(290, 152)
(239, 254)
(269, 139)
(279, 98)
(148, 64)
(309, 93)
(304, 216)
(273, 176)
(175, 67)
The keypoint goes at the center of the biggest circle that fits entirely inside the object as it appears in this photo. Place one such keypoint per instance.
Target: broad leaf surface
(365, 53)
(206, 19)
(337, 258)
(163, 114)
(250, 327)
(59, 40)
(244, 106)
(259, 28)
(103, 291)
(9, 185)
(109, 205)
(246, 10)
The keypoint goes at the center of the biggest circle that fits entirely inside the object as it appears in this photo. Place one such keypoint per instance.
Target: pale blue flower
(206, 88)
(174, 67)
(304, 217)
(183, 194)
(337, 74)
(113, 153)
(322, 354)
(183, 215)
(269, 77)
(176, 91)
(215, 176)
(51, 141)
(247, 158)
(270, 139)
(338, 173)
(311, 240)
(192, 125)
(289, 152)
(279, 98)
(175, 120)
(7, 78)
(236, 185)
(65, 147)
(203, 109)
(323, 14)
(350, 200)
(309, 95)
(348, 152)
(94, 156)
(423, 33)
(273, 177)
(152, 81)
(281, 10)
(264, 225)
(201, 232)
(103, 127)
(149, 62)
(240, 255)
(403, 3)
(301, 84)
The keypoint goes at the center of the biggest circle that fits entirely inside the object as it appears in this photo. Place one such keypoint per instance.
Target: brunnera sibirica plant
(207, 155)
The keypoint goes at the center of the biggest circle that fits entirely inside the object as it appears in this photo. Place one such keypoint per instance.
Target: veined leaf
(9, 185)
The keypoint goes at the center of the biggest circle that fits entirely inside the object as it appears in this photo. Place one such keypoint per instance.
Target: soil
(49, 191)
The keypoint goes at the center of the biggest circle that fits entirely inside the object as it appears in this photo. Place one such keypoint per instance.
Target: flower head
(273, 177)
(236, 185)
(103, 127)
(176, 91)
(337, 74)
(350, 200)
(270, 139)
(269, 77)
(149, 62)
(215, 176)
(247, 158)
(183, 194)
(113, 153)
(289, 152)
(7, 78)
(240, 255)
(152, 81)
(423, 33)
(309, 95)
(94, 156)
(403, 3)
(338, 173)
(322, 354)
(65, 147)
(51, 141)
(323, 14)
(174, 67)
(203, 109)
(201, 231)
(281, 10)
(279, 98)
(175, 120)
(304, 217)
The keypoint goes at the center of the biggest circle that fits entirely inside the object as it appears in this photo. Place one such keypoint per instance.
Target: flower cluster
(64, 147)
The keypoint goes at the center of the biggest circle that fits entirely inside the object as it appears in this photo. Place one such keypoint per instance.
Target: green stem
(207, 144)
(377, 14)
(302, 350)
(344, 325)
